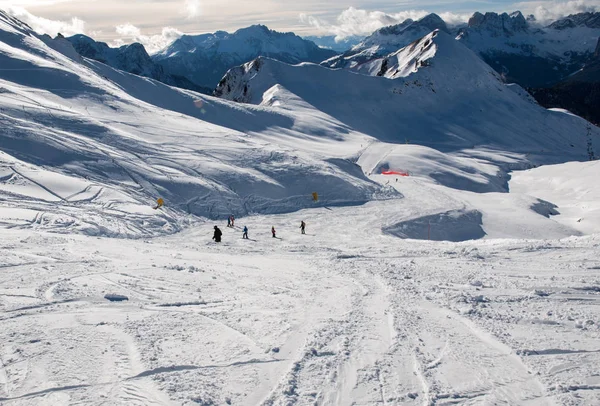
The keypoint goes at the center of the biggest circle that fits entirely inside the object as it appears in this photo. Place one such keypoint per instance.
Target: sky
(156, 23)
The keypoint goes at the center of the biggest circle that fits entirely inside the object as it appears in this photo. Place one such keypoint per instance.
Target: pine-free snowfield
(343, 315)
(363, 309)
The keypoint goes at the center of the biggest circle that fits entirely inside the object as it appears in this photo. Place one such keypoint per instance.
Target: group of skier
(230, 223)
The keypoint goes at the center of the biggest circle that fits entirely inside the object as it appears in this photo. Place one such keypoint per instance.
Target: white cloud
(454, 19)
(128, 30)
(192, 8)
(548, 11)
(45, 26)
(354, 21)
(153, 43)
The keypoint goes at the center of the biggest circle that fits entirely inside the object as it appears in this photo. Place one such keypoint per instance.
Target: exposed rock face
(589, 20)
(204, 59)
(131, 58)
(499, 24)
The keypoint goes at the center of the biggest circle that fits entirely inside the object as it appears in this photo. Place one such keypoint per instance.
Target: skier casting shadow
(217, 235)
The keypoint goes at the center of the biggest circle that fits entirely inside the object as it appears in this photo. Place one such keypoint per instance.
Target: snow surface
(532, 56)
(467, 282)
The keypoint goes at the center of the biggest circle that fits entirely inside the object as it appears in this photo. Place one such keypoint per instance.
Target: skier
(229, 221)
(217, 235)
(273, 232)
(245, 236)
(303, 227)
(232, 221)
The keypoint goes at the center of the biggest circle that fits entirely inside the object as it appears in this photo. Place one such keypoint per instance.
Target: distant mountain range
(333, 43)
(387, 40)
(204, 59)
(579, 93)
(513, 45)
(516, 46)
(131, 58)
(530, 55)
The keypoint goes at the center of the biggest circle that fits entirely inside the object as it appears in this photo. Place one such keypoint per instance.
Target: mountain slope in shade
(589, 20)
(387, 40)
(579, 93)
(131, 58)
(514, 45)
(204, 59)
(529, 55)
(440, 94)
(331, 42)
(115, 142)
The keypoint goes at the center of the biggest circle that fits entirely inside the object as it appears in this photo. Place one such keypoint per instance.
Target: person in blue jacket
(245, 236)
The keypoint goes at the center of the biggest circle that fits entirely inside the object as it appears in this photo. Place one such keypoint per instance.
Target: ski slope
(474, 280)
(343, 315)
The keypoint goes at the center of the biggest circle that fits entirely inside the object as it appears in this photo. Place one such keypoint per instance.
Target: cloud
(45, 26)
(354, 21)
(192, 8)
(153, 43)
(128, 30)
(548, 11)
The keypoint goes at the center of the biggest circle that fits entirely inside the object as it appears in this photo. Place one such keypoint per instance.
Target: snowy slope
(518, 48)
(572, 187)
(84, 119)
(332, 317)
(334, 43)
(527, 54)
(500, 306)
(450, 100)
(387, 40)
(204, 59)
(131, 58)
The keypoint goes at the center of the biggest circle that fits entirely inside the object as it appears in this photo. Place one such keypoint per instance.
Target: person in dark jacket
(245, 235)
(217, 235)
(273, 232)
(303, 227)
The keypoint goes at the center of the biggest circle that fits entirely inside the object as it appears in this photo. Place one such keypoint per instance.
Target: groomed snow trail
(343, 315)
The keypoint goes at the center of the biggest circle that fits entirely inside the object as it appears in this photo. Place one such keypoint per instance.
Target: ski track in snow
(362, 310)
(315, 319)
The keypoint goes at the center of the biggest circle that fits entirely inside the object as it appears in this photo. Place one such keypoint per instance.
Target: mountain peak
(430, 23)
(255, 29)
(204, 59)
(500, 24)
(432, 20)
(11, 24)
(588, 19)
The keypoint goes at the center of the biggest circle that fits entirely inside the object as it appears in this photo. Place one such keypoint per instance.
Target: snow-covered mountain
(331, 42)
(387, 40)
(589, 20)
(579, 93)
(440, 94)
(204, 59)
(514, 45)
(530, 55)
(131, 58)
(113, 142)
(459, 283)
(104, 144)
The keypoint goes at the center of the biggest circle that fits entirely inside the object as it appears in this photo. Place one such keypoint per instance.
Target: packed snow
(473, 280)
